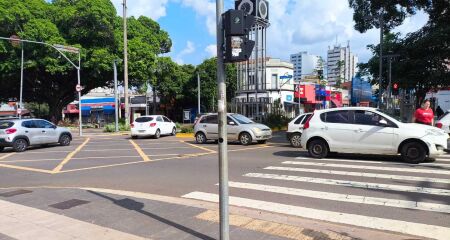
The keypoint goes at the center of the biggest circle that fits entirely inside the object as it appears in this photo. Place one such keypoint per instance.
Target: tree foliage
(424, 60)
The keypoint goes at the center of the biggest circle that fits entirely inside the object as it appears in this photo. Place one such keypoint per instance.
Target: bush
(178, 125)
(187, 129)
(112, 127)
(276, 121)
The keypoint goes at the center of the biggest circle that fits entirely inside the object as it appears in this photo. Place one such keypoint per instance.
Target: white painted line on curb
(347, 183)
(393, 169)
(378, 162)
(424, 206)
(361, 174)
(418, 229)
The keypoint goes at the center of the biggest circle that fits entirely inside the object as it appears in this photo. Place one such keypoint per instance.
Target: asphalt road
(366, 191)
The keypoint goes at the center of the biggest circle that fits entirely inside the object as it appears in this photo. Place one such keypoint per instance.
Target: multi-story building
(306, 65)
(341, 65)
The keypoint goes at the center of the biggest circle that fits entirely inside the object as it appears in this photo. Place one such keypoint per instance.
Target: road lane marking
(355, 184)
(70, 156)
(393, 169)
(199, 147)
(375, 162)
(417, 229)
(245, 149)
(139, 150)
(424, 206)
(28, 222)
(7, 155)
(361, 174)
(25, 168)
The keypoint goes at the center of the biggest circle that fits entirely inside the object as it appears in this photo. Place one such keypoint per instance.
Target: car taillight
(10, 131)
(132, 125)
(439, 125)
(152, 124)
(306, 125)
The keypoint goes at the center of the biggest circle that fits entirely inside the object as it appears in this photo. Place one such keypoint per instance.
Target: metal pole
(125, 62)
(223, 138)
(21, 85)
(389, 85)
(257, 68)
(116, 112)
(198, 94)
(80, 122)
(380, 89)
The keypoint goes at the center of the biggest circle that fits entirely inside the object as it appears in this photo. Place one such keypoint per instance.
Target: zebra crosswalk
(390, 196)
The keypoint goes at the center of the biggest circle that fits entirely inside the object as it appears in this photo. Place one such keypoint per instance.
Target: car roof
(19, 120)
(344, 109)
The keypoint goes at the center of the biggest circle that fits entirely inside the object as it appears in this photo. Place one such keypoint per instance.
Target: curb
(185, 135)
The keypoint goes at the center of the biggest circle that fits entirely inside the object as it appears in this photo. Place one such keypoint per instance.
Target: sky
(296, 25)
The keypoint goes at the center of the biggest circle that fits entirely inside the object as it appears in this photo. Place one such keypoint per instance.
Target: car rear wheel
(245, 139)
(200, 138)
(318, 148)
(413, 152)
(2, 148)
(174, 131)
(157, 134)
(262, 141)
(20, 145)
(64, 140)
(295, 140)
(134, 137)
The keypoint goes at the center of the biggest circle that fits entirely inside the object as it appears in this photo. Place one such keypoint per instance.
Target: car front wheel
(245, 139)
(20, 145)
(413, 152)
(318, 149)
(295, 140)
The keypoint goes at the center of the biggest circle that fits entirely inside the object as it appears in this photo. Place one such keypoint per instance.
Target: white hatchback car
(366, 130)
(444, 122)
(295, 129)
(153, 125)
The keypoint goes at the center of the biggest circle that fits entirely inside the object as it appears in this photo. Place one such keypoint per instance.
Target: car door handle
(324, 128)
(43, 131)
(26, 131)
(358, 130)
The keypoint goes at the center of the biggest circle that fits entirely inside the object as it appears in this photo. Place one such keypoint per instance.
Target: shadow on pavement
(138, 207)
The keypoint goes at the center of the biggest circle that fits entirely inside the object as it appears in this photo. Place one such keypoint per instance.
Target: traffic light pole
(223, 139)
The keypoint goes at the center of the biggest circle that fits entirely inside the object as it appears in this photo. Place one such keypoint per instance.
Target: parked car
(21, 133)
(444, 122)
(295, 129)
(239, 128)
(153, 125)
(369, 131)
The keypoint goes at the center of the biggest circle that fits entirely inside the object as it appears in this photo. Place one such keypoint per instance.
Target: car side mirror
(383, 123)
(231, 123)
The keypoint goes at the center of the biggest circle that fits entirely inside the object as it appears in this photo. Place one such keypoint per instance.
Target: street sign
(286, 76)
(78, 88)
(13, 40)
(66, 48)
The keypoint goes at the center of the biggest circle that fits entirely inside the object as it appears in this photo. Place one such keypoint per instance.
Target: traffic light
(395, 89)
(237, 26)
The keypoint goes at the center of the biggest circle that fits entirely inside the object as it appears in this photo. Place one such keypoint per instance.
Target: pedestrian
(439, 112)
(424, 114)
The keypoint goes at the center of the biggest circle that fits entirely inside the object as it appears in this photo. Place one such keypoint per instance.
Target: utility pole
(116, 112)
(125, 63)
(223, 138)
(198, 94)
(21, 84)
(380, 88)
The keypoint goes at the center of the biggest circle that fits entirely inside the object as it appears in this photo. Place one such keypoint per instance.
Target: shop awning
(85, 110)
(108, 109)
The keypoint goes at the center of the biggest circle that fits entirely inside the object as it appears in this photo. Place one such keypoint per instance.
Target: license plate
(141, 131)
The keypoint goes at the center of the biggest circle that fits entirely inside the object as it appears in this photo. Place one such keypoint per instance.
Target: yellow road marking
(69, 157)
(245, 149)
(202, 148)
(25, 168)
(139, 150)
(7, 155)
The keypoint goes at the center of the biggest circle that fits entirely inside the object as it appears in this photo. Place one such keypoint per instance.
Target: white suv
(369, 131)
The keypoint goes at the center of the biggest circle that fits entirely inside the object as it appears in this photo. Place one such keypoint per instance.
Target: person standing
(424, 114)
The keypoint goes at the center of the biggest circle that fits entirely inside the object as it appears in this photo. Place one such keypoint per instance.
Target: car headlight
(257, 130)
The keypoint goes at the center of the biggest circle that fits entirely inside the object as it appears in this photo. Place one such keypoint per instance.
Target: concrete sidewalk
(89, 213)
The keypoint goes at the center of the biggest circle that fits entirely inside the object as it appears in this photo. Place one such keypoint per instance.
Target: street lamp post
(198, 94)
(125, 62)
(380, 81)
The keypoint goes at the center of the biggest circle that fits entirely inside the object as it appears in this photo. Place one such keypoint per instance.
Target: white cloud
(205, 9)
(190, 48)
(154, 9)
(211, 50)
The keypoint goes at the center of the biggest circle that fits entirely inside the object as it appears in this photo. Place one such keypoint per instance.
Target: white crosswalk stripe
(345, 197)
(361, 174)
(418, 229)
(414, 179)
(393, 169)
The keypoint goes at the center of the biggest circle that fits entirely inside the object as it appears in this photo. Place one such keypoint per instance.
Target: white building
(305, 65)
(276, 85)
(341, 64)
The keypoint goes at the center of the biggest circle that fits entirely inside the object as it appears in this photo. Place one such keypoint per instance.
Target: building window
(274, 81)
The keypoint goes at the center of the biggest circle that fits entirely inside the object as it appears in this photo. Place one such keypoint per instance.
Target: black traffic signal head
(238, 49)
(395, 89)
(237, 22)
(237, 26)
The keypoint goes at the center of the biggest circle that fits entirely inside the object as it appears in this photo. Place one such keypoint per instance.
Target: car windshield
(242, 119)
(5, 125)
(391, 116)
(144, 119)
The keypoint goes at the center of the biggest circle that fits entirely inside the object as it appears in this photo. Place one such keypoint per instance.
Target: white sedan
(152, 125)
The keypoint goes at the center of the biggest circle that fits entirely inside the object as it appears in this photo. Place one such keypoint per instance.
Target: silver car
(21, 133)
(239, 128)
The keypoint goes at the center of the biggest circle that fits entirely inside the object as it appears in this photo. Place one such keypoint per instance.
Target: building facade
(305, 65)
(341, 65)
